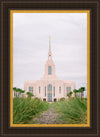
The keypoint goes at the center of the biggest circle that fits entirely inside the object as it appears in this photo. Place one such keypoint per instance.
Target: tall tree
(81, 90)
(75, 91)
(18, 90)
(14, 89)
(69, 94)
(23, 91)
(29, 94)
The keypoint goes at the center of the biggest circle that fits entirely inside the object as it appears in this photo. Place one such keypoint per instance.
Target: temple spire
(49, 54)
(49, 43)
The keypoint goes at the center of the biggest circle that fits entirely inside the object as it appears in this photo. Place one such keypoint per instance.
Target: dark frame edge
(1, 67)
(98, 70)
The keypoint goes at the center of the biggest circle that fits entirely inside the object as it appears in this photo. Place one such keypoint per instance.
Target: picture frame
(6, 7)
(12, 12)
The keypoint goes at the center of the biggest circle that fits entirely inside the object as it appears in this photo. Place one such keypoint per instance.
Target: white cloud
(68, 43)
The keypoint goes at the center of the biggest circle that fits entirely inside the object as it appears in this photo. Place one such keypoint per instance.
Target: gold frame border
(11, 68)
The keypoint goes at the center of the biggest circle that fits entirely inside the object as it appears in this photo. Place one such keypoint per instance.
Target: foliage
(81, 89)
(18, 90)
(75, 91)
(24, 109)
(62, 99)
(14, 88)
(69, 94)
(29, 94)
(72, 111)
(22, 91)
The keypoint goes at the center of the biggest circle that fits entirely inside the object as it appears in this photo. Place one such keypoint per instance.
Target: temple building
(49, 88)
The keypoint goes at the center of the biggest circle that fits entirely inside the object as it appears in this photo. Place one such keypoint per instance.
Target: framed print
(49, 88)
(49, 66)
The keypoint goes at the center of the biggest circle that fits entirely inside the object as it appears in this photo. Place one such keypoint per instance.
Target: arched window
(54, 91)
(30, 88)
(59, 89)
(49, 87)
(68, 88)
(49, 70)
(39, 89)
(49, 93)
(45, 91)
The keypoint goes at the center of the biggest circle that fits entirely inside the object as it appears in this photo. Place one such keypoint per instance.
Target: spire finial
(49, 43)
(49, 54)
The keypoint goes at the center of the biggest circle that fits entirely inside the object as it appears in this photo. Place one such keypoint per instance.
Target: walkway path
(48, 117)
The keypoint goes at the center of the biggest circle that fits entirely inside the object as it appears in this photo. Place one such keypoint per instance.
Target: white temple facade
(49, 88)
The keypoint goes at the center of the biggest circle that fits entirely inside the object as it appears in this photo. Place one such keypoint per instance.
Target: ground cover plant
(30, 109)
(72, 111)
(24, 109)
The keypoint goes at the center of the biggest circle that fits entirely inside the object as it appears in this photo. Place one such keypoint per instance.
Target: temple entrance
(49, 93)
(49, 97)
(44, 99)
(55, 99)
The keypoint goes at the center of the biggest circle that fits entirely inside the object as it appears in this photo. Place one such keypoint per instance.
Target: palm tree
(69, 94)
(29, 94)
(22, 91)
(14, 89)
(75, 91)
(81, 90)
(19, 91)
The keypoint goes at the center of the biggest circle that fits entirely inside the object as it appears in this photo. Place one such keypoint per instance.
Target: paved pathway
(48, 117)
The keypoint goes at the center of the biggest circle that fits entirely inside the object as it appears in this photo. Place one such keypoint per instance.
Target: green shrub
(73, 111)
(62, 99)
(30, 94)
(24, 109)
